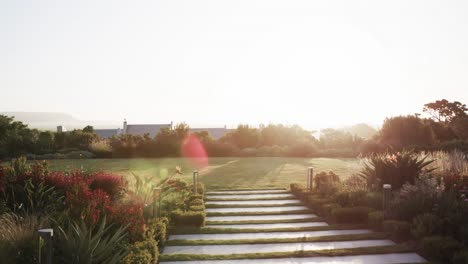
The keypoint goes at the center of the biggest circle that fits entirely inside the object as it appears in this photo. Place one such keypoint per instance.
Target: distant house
(151, 129)
(216, 133)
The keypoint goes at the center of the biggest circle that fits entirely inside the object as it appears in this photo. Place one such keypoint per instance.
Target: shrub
(375, 219)
(398, 230)
(350, 198)
(110, 183)
(461, 257)
(197, 208)
(439, 248)
(195, 197)
(453, 211)
(143, 252)
(80, 244)
(327, 209)
(190, 218)
(299, 191)
(373, 200)
(351, 214)
(413, 200)
(393, 168)
(426, 225)
(196, 202)
(200, 188)
(316, 203)
(326, 184)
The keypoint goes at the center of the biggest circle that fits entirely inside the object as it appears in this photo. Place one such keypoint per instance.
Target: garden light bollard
(47, 235)
(387, 191)
(310, 178)
(195, 182)
(156, 193)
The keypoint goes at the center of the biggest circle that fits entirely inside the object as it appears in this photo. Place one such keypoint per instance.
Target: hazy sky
(314, 63)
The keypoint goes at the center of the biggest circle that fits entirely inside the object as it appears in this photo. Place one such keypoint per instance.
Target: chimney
(125, 126)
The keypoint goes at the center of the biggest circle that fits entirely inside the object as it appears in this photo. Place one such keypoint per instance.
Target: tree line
(446, 128)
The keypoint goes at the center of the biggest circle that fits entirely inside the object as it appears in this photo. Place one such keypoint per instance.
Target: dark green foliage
(190, 218)
(316, 203)
(393, 168)
(375, 219)
(327, 209)
(196, 202)
(197, 208)
(373, 200)
(453, 211)
(398, 230)
(426, 225)
(351, 214)
(406, 131)
(461, 257)
(157, 230)
(326, 184)
(440, 248)
(350, 198)
(81, 244)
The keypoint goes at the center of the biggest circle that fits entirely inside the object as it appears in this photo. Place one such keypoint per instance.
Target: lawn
(221, 173)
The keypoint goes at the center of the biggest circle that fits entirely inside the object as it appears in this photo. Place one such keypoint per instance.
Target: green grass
(249, 199)
(222, 173)
(369, 236)
(315, 253)
(305, 211)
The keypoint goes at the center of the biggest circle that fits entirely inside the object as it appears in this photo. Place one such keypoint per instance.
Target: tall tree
(445, 111)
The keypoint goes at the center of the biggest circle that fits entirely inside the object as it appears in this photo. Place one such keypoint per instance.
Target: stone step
(259, 217)
(248, 191)
(256, 209)
(254, 202)
(273, 247)
(356, 259)
(252, 196)
(269, 226)
(269, 235)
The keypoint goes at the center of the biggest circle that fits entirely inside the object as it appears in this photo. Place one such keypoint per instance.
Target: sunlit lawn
(222, 172)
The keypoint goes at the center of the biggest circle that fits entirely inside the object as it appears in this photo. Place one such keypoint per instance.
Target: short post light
(387, 192)
(310, 178)
(195, 182)
(156, 194)
(46, 234)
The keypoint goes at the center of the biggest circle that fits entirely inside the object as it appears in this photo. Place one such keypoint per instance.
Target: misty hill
(361, 130)
(50, 121)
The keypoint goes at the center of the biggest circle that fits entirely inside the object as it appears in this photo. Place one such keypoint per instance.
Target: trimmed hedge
(195, 197)
(143, 252)
(351, 214)
(190, 218)
(196, 202)
(375, 219)
(440, 248)
(328, 208)
(316, 203)
(157, 230)
(398, 230)
(197, 208)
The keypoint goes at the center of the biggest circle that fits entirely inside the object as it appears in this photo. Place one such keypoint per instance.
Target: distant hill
(50, 121)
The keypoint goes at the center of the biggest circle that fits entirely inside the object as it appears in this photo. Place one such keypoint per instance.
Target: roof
(216, 133)
(106, 133)
(140, 130)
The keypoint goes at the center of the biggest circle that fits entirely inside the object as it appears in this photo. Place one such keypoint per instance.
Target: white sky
(216, 62)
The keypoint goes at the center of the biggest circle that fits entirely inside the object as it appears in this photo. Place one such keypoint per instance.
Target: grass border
(315, 253)
(252, 205)
(249, 199)
(303, 211)
(241, 222)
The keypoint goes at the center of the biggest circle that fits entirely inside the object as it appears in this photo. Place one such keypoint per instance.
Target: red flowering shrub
(110, 183)
(130, 214)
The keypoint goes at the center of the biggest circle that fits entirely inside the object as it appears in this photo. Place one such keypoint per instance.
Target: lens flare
(194, 151)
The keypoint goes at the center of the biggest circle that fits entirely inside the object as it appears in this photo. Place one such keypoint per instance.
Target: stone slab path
(270, 226)
(358, 259)
(269, 235)
(278, 206)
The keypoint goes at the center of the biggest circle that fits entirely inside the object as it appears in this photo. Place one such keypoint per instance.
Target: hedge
(351, 214)
(189, 218)
(375, 220)
(398, 230)
(440, 248)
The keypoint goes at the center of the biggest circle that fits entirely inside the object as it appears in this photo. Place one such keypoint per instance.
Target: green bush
(195, 197)
(157, 230)
(327, 209)
(143, 252)
(326, 184)
(197, 208)
(440, 248)
(398, 230)
(461, 257)
(426, 225)
(350, 198)
(196, 202)
(190, 218)
(299, 191)
(373, 200)
(351, 214)
(200, 189)
(316, 203)
(375, 219)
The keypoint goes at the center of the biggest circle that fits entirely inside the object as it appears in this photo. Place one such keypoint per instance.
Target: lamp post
(47, 235)
(387, 192)
(310, 178)
(156, 193)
